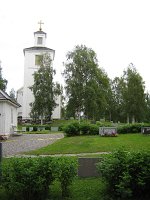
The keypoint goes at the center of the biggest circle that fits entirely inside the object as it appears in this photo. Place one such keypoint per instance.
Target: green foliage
(72, 129)
(86, 83)
(127, 175)
(44, 90)
(30, 178)
(65, 169)
(84, 128)
(128, 102)
(26, 178)
(130, 128)
(94, 129)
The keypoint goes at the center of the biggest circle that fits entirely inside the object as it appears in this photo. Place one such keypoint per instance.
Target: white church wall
(36, 40)
(8, 118)
(29, 68)
(2, 118)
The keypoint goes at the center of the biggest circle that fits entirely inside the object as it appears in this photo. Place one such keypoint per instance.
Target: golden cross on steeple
(40, 22)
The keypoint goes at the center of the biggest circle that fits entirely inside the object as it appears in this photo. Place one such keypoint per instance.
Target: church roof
(38, 48)
(39, 32)
(5, 97)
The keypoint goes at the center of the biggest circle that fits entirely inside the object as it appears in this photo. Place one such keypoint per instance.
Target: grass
(92, 144)
(81, 189)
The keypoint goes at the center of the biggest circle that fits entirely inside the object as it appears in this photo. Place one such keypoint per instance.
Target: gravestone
(145, 130)
(107, 131)
(30, 129)
(87, 167)
(54, 129)
(24, 129)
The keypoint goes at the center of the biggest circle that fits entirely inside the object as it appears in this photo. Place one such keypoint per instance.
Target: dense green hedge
(130, 128)
(127, 175)
(76, 128)
(30, 178)
(86, 128)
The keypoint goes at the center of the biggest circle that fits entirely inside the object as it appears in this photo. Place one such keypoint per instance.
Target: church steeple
(40, 22)
(40, 37)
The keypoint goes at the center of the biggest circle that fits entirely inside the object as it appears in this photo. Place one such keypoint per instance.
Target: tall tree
(44, 89)
(3, 82)
(132, 94)
(117, 106)
(86, 83)
(147, 110)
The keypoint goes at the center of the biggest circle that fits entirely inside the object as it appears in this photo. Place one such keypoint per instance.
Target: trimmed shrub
(27, 178)
(127, 175)
(94, 129)
(31, 178)
(65, 170)
(47, 127)
(72, 129)
(34, 128)
(85, 128)
(130, 128)
(27, 128)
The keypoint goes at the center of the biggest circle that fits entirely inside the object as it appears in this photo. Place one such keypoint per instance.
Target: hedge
(30, 178)
(127, 175)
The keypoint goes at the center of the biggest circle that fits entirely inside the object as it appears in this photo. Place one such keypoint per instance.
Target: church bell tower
(31, 64)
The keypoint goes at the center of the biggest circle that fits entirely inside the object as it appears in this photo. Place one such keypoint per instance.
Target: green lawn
(81, 189)
(92, 144)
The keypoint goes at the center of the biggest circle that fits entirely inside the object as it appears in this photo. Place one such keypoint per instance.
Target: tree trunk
(128, 119)
(41, 119)
(133, 119)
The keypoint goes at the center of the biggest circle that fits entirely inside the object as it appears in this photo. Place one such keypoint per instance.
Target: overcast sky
(117, 30)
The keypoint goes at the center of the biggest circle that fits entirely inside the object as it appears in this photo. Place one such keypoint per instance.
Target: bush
(30, 178)
(94, 129)
(72, 129)
(26, 178)
(34, 128)
(85, 128)
(130, 128)
(65, 170)
(127, 175)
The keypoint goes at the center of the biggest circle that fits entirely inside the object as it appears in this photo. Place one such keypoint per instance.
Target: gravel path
(26, 142)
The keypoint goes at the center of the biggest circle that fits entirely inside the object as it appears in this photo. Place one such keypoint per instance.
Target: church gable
(5, 97)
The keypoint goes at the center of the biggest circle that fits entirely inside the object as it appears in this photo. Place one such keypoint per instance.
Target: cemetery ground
(95, 144)
(90, 146)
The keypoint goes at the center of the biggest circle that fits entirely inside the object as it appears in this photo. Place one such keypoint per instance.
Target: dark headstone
(87, 167)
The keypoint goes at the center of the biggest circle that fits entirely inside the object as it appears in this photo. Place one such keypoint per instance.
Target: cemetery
(97, 144)
(88, 149)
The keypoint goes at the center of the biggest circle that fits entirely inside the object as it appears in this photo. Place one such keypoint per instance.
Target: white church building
(31, 64)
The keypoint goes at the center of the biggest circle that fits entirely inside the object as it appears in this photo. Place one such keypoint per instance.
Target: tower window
(38, 59)
(40, 40)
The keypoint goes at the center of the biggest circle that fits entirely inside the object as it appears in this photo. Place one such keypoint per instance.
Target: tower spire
(40, 22)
